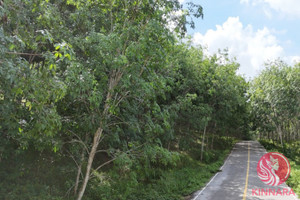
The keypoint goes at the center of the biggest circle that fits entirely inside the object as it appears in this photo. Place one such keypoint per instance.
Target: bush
(172, 183)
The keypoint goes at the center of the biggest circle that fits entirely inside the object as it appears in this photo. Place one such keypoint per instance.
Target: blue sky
(254, 31)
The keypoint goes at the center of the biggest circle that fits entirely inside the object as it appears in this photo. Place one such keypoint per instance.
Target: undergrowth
(186, 176)
(292, 152)
(190, 175)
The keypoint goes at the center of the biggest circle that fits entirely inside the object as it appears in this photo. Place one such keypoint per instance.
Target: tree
(275, 101)
(71, 66)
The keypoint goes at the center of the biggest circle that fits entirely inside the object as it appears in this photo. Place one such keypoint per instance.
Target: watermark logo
(273, 168)
(273, 192)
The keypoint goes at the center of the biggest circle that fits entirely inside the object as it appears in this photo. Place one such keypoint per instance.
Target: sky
(255, 32)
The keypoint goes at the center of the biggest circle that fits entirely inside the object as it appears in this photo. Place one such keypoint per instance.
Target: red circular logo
(273, 168)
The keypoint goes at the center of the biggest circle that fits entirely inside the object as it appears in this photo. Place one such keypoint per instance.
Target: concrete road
(238, 179)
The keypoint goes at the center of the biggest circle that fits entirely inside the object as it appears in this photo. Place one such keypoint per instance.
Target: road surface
(237, 181)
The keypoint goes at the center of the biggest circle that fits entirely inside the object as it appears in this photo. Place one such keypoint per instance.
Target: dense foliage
(275, 104)
(275, 109)
(99, 98)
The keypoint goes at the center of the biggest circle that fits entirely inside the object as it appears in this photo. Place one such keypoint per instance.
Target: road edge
(196, 194)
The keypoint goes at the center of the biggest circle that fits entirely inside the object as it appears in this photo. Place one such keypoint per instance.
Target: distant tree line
(275, 102)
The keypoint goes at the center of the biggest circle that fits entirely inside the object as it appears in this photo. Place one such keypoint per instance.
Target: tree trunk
(202, 145)
(114, 79)
(207, 143)
(280, 135)
(92, 153)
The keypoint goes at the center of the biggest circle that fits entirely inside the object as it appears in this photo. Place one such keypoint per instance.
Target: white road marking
(206, 186)
(213, 176)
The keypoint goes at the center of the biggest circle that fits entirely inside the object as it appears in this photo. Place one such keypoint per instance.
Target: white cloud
(244, 1)
(294, 59)
(252, 48)
(287, 8)
(268, 13)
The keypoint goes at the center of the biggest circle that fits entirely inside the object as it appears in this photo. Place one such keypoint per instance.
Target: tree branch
(80, 142)
(24, 54)
(106, 163)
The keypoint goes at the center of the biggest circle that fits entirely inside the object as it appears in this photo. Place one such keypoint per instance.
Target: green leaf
(28, 104)
(11, 47)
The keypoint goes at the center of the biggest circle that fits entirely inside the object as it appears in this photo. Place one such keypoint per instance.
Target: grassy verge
(292, 152)
(189, 176)
(175, 183)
